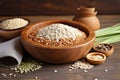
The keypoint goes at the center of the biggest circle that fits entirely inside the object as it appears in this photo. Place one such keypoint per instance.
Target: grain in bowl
(58, 34)
(13, 23)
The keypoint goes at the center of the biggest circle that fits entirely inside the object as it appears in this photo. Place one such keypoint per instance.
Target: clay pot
(88, 17)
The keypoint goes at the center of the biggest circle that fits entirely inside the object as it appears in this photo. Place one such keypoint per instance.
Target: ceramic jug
(87, 16)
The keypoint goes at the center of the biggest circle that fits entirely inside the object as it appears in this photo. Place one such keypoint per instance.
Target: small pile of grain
(28, 65)
(13, 23)
(81, 64)
(103, 47)
(10, 74)
(3, 74)
(58, 35)
(96, 57)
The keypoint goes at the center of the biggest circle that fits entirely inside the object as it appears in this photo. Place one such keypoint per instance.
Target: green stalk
(102, 38)
(113, 39)
(108, 35)
(108, 30)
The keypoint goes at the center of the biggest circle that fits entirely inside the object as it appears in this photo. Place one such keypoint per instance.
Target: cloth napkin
(11, 52)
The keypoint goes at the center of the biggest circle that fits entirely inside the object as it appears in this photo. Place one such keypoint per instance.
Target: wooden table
(112, 63)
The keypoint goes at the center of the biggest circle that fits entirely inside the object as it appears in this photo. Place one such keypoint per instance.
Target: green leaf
(109, 30)
(108, 35)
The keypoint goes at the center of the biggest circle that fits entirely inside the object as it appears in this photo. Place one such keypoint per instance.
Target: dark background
(56, 7)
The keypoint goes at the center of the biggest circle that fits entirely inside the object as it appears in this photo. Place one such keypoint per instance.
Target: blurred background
(56, 7)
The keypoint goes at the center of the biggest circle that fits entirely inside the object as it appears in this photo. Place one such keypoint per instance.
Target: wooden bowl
(93, 60)
(107, 52)
(53, 54)
(9, 34)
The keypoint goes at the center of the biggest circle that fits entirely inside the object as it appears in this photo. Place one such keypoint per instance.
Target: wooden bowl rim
(89, 39)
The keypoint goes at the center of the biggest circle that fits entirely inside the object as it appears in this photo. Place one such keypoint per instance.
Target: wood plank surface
(56, 7)
(112, 64)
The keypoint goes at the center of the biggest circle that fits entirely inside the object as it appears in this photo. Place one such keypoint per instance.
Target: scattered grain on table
(96, 79)
(55, 71)
(4, 75)
(14, 75)
(106, 70)
(81, 64)
(85, 71)
(28, 65)
(35, 77)
(11, 74)
(70, 69)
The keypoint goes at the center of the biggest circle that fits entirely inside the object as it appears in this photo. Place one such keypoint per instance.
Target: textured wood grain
(56, 7)
(112, 64)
